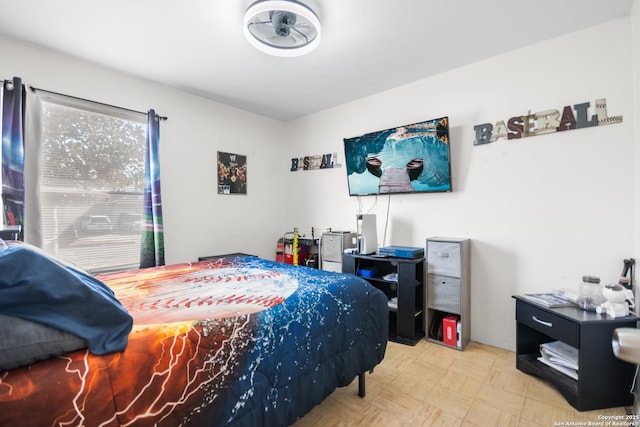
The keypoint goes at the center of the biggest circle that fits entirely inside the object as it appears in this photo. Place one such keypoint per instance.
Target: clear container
(590, 295)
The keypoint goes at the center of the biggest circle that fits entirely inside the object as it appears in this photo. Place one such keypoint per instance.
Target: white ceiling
(367, 46)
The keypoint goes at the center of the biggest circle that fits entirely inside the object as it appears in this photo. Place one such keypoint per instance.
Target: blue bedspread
(321, 337)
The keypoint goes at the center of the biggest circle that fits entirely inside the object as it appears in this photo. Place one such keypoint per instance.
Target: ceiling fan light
(291, 36)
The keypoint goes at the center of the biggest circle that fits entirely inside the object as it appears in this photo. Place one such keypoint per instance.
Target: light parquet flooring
(432, 385)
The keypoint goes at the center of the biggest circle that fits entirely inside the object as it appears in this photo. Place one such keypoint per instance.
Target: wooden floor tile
(482, 414)
(501, 399)
(433, 385)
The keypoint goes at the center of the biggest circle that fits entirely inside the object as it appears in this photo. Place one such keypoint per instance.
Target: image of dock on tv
(406, 159)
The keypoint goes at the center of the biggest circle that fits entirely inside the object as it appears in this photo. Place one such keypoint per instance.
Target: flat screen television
(406, 159)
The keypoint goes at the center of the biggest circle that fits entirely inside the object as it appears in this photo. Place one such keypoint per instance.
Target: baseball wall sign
(544, 122)
(319, 161)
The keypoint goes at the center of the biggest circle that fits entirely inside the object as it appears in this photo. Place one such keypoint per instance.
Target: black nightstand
(604, 381)
(10, 232)
(210, 257)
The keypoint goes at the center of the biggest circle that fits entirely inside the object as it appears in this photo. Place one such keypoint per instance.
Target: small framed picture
(232, 173)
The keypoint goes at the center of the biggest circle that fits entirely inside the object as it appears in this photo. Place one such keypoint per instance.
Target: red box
(449, 324)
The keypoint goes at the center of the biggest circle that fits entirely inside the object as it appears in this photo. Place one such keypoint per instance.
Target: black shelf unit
(604, 381)
(406, 321)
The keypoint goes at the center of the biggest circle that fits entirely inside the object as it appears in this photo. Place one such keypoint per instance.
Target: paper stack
(561, 357)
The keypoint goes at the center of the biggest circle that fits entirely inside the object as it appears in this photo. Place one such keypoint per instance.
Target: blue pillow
(36, 287)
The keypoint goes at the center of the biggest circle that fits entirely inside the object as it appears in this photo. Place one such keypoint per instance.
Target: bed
(230, 341)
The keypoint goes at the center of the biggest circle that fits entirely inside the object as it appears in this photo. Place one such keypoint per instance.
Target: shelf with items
(298, 247)
(402, 281)
(448, 292)
(445, 328)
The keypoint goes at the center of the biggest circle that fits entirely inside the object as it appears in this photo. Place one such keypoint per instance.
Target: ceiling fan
(282, 27)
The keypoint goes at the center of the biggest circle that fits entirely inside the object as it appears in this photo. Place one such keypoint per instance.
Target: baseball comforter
(232, 341)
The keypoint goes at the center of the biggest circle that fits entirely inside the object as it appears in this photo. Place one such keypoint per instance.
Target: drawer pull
(542, 322)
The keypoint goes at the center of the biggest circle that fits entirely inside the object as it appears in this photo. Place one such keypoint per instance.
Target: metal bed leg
(361, 391)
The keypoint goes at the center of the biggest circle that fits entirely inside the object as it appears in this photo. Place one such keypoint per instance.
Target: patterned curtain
(13, 96)
(152, 250)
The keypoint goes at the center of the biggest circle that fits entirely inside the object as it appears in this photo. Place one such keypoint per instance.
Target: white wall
(541, 211)
(197, 220)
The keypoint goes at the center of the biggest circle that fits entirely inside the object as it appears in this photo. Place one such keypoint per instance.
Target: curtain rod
(33, 89)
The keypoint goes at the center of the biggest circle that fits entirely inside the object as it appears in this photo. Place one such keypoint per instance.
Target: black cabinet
(10, 232)
(604, 381)
(231, 255)
(402, 280)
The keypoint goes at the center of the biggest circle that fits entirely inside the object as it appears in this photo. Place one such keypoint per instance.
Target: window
(91, 182)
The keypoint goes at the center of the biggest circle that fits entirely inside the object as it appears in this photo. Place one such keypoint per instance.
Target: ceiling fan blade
(282, 41)
(304, 36)
(261, 22)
